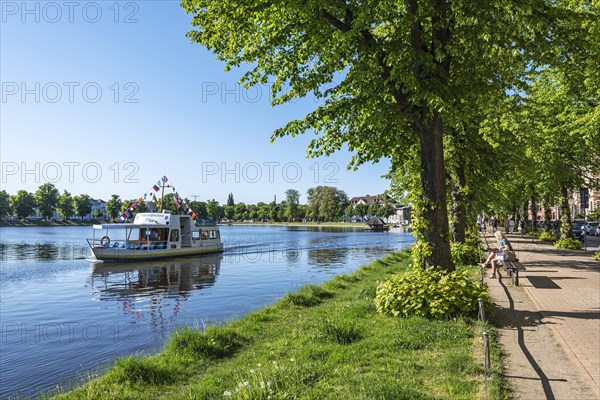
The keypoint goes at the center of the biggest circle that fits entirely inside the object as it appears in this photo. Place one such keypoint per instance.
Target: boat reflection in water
(173, 277)
(153, 292)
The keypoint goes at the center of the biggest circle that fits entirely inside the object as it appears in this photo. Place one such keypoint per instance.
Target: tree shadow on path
(517, 319)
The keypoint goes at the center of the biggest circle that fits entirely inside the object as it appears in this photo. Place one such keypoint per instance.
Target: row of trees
(478, 104)
(47, 200)
(325, 203)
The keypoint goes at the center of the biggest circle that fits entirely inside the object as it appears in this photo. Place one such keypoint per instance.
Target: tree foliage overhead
(394, 77)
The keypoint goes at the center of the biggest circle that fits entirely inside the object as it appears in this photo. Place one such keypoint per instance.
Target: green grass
(322, 342)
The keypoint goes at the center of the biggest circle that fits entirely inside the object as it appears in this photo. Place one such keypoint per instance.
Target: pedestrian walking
(522, 226)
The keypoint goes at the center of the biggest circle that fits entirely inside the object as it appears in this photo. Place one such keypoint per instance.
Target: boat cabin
(161, 233)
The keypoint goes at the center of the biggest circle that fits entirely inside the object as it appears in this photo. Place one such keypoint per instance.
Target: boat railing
(128, 244)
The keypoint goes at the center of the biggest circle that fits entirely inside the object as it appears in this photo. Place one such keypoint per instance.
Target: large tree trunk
(533, 215)
(547, 213)
(565, 227)
(433, 179)
(459, 208)
(428, 123)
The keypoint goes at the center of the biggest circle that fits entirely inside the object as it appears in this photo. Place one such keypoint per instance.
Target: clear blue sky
(166, 107)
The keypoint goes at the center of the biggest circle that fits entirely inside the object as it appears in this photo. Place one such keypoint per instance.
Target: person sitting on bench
(497, 255)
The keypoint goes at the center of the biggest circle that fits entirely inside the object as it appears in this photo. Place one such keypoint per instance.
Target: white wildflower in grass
(259, 365)
(246, 383)
(292, 359)
(227, 393)
(262, 385)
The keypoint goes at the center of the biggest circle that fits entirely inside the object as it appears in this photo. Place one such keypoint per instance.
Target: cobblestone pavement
(551, 325)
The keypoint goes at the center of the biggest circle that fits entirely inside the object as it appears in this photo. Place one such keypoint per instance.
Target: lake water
(62, 316)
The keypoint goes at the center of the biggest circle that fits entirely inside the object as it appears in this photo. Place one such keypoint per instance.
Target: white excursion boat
(154, 235)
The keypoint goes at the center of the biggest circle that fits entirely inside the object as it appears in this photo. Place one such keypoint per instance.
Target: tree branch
(343, 26)
(371, 43)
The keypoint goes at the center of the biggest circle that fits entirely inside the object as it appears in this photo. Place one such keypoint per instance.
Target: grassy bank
(322, 342)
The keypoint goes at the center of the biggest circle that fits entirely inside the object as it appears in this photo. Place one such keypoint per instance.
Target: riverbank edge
(239, 356)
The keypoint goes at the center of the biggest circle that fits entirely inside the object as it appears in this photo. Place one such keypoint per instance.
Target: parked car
(591, 228)
(578, 231)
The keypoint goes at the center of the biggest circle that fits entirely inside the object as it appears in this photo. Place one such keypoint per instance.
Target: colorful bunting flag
(163, 182)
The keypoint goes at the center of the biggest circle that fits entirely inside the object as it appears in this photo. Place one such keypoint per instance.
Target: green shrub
(596, 255)
(548, 236)
(464, 254)
(429, 293)
(570, 244)
(214, 342)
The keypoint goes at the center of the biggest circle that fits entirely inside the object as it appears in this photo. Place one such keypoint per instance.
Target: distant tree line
(324, 204)
(47, 200)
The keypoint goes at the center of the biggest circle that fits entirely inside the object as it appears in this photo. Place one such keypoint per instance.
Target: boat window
(162, 234)
(204, 234)
(174, 235)
(195, 235)
(213, 234)
(151, 234)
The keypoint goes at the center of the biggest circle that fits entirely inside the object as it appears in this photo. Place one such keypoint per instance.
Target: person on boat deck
(497, 255)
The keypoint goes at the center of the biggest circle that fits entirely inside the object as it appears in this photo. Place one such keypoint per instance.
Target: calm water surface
(62, 316)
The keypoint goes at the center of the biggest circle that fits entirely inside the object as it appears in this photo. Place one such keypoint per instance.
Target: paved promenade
(550, 326)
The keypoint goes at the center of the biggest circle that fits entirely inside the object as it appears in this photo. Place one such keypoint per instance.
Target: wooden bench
(513, 268)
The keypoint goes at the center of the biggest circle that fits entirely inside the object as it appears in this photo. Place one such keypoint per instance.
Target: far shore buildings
(400, 217)
(575, 205)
